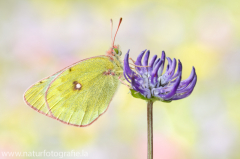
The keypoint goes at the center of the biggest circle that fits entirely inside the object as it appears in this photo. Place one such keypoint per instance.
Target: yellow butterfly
(80, 93)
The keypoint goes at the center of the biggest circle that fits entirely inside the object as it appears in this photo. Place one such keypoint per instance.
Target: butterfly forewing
(35, 95)
(80, 94)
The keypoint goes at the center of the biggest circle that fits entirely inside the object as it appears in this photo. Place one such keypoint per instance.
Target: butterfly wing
(35, 95)
(82, 92)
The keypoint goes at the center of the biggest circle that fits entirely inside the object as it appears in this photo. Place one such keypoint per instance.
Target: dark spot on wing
(70, 69)
(76, 84)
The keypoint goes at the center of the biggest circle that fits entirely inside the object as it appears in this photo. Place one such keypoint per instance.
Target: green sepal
(136, 94)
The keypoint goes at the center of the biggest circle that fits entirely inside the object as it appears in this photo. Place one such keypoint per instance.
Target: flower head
(150, 83)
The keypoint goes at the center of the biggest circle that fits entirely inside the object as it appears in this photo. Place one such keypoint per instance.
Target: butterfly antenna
(111, 23)
(120, 21)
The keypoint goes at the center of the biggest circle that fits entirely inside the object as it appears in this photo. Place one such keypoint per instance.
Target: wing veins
(97, 100)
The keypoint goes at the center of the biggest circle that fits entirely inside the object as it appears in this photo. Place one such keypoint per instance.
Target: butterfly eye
(116, 51)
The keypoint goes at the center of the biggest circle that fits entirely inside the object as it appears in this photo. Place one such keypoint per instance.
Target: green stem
(150, 129)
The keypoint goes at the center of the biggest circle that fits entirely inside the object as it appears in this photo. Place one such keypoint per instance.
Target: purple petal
(189, 87)
(156, 62)
(126, 76)
(155, 69)
(181, 96)
(167, 67)
(138, 87)
(136, 83)
(186, 82)
(166, 93)
(169, 63)
(145, 62)
(178, 71)
(151, 64)
(187, 91)
(160, 71)
(154, 76)
(127, 70)
(165, 78)
(139, 62)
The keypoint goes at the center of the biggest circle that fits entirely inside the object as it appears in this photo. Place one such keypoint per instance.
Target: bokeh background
(40, 37)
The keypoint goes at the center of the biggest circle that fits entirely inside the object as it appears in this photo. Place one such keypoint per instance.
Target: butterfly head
(115, 49)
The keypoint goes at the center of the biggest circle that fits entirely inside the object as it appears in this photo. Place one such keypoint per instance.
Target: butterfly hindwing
(82, 92)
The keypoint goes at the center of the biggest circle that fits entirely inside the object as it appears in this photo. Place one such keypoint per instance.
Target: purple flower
(149, 82)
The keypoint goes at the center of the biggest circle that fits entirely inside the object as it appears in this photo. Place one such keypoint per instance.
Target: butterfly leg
(119, 78)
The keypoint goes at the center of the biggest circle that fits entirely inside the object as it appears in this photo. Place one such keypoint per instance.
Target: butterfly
(80, 93)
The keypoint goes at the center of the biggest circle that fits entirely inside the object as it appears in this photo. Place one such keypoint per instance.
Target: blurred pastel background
(40, 37)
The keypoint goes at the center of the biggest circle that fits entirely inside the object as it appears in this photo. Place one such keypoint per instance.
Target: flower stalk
(150, 128)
